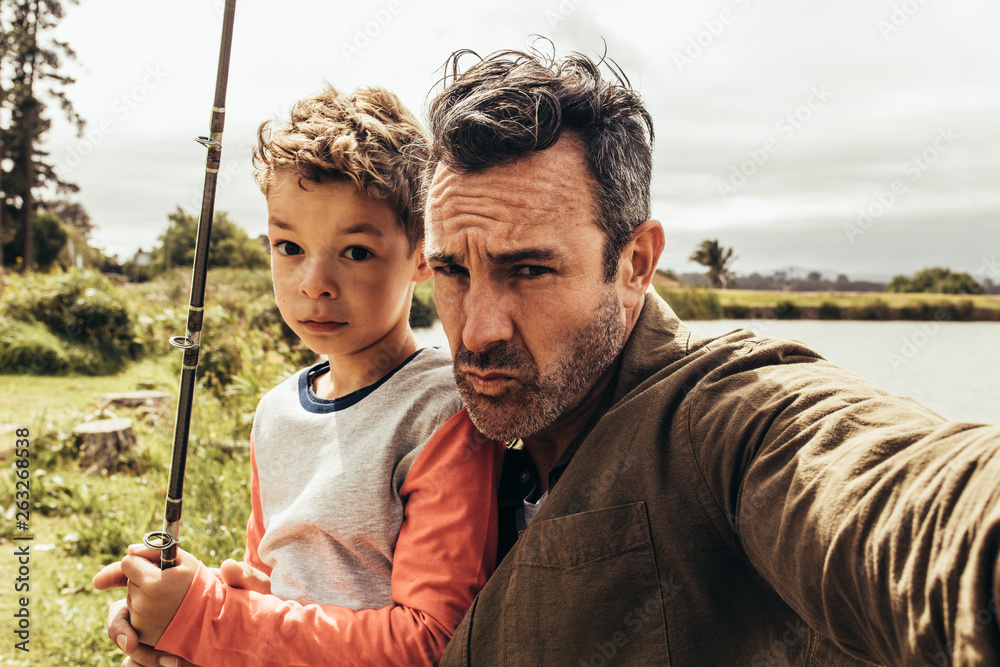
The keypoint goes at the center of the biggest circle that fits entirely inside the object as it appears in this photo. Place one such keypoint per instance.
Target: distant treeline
(813, 282)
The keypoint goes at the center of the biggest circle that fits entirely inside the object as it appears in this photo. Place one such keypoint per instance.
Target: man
(669, 499)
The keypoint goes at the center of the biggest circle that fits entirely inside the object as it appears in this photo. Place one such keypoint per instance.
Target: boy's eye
(357, 253)
(287, 248)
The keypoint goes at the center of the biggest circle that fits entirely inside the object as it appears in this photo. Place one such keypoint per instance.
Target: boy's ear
(422, 271)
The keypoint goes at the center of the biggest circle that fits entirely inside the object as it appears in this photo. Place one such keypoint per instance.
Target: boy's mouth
(322, 325)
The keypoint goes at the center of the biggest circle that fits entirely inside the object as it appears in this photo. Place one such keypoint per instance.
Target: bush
(31, 349)
(422, 313)
(787, 310)
(877, 309)
(955, 312)
(693, 303)
(737, 312)
(90, 325)
(829, 311)
(920, 311)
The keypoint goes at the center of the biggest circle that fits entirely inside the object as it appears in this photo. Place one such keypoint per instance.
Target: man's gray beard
(540, 399)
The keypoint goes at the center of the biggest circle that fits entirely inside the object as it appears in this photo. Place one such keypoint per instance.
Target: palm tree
(717, 259)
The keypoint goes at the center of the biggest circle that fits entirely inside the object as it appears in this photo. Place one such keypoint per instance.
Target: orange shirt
(445, 552)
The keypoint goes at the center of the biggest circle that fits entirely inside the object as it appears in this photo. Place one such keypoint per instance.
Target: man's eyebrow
(503, 258)
(274, 222)
(439, 257)
(519, 256)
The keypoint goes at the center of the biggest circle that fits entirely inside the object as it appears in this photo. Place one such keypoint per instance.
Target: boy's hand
(245, 576)
(119, 627)
(155, 595)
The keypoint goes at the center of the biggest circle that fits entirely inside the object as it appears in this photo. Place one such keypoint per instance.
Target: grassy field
(80, 522)
(699, 303)
(757, 298)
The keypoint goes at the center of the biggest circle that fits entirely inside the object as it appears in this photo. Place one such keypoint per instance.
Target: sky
(858, 137)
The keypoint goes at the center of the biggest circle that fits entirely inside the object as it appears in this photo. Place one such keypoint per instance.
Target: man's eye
(451, 270)
(287, 248)
(357, 253)
(532, 271)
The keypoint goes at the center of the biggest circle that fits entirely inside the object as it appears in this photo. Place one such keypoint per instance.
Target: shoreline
(696, 303)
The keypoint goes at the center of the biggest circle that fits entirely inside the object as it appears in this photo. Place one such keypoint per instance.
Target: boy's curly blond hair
(367, 137)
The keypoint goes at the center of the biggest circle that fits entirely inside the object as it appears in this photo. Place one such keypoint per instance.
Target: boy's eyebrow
(359, 228)
(364, 228)
(503, 258)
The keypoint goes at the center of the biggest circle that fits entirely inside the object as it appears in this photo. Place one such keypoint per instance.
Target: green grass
(769, 299)
(81, 522)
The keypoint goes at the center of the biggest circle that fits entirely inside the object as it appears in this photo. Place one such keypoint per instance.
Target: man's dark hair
(513, 103)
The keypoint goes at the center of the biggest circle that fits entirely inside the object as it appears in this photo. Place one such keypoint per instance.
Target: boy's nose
(318, 281)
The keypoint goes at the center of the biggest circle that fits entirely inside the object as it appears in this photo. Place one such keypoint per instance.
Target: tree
(937, 280)
(50, 238)
(29, 75)
(718, 259)
(231, 246)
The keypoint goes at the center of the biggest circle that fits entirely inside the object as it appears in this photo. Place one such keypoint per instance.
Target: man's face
(518, 263)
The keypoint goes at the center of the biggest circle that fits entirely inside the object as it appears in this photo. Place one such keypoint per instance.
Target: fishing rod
(166, 540)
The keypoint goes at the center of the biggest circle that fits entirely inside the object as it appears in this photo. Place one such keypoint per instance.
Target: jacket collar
(658, 339)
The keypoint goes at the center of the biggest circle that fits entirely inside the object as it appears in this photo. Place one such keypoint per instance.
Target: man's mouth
(490, 383)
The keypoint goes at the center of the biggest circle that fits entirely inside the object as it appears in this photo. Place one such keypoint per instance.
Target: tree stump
(102, 442)
(135, 399)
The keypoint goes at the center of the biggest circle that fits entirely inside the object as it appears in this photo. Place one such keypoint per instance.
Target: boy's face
(341, 267)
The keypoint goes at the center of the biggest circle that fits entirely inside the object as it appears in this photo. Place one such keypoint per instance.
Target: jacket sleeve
(444, 553)
(874, 518)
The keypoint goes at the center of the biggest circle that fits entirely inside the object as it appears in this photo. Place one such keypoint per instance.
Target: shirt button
(525, 476)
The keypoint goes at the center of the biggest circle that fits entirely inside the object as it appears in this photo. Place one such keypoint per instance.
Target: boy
(338, 455)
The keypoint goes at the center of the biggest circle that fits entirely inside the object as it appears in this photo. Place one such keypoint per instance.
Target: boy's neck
(357, 370)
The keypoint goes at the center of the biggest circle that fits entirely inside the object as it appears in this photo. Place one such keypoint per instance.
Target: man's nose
(487, 318)
(318, 279)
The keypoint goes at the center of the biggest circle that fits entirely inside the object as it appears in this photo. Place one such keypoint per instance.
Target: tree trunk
(30, 111)
(102, 443)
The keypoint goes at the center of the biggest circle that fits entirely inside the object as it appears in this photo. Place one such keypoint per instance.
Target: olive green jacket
(745, 502)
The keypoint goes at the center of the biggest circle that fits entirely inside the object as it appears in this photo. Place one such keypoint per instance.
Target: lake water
(951, 367)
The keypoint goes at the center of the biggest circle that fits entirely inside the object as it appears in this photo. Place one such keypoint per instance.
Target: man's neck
(547, 446)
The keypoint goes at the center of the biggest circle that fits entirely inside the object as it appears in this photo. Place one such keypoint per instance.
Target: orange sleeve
(255, 524)
(445, 551)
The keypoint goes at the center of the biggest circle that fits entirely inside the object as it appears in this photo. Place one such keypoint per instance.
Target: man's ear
(422, 271)
(638, 261)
